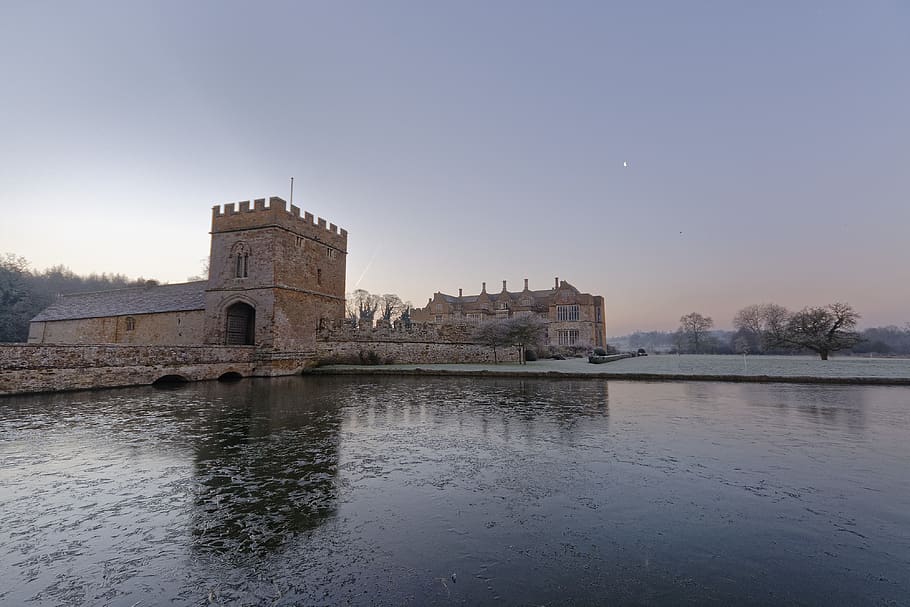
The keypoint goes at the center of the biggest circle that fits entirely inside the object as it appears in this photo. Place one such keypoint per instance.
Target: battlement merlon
(242, 215)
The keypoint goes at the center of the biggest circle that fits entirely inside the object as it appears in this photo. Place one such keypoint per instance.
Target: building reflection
(266, 463)
(501, 406)
(830, 405)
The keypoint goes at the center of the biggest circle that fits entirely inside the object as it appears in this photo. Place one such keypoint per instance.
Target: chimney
(503, 286)
(557, 282)
(526, 284)
(484, 289)
(459, 292)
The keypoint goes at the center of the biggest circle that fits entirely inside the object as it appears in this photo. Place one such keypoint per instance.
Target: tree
(822, 329)
(694, 327)
(493, 334)
(521, 331)
(525, 331)
(18, 302)
(405, 318)
(361, 307)
(882, 340)
(390, 307)
(203, 271)
(761, 324)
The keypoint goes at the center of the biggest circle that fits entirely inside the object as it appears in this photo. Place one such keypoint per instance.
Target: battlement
(275, 212)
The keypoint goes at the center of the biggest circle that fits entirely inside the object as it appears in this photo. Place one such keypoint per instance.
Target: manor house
(274, 277)
(573, 318)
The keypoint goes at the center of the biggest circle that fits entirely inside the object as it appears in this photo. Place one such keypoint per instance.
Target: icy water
(450, 491)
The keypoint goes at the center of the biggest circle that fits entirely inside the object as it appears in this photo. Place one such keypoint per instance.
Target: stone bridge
(50, 368)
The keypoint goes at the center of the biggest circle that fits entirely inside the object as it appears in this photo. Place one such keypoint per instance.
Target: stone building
(274, 277)
(573, 318)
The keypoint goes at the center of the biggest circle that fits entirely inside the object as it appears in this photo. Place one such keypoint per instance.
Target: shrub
(530, 355)
(600, 352)
(370, 357)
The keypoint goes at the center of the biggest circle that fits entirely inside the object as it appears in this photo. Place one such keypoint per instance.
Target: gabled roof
(121, 302)
(508, 295)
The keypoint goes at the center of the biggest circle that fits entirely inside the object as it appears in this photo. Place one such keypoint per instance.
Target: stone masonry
(419, 343)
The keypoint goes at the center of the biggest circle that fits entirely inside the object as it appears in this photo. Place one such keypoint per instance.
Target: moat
(449, 491)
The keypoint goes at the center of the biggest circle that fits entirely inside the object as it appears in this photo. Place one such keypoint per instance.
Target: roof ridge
(132, 288)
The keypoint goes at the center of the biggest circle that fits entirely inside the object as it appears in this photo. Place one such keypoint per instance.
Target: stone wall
(47, 368)
(161, 328)
(421, 343)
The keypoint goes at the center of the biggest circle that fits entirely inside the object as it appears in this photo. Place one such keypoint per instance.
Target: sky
(673, 157)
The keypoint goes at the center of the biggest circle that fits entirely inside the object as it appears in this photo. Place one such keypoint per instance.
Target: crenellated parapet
(275, 213)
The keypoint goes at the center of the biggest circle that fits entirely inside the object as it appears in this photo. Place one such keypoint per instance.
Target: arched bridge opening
(230, 376)
(170, 380)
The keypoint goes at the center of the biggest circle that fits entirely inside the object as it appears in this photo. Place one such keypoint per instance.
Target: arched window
(241, 255)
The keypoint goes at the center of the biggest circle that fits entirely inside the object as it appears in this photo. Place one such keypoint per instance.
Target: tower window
(243, 266)
(241, 253)
(130, 323)
(319, 276)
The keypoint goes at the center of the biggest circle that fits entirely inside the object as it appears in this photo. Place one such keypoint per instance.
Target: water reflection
(265, 470)
(843, 406)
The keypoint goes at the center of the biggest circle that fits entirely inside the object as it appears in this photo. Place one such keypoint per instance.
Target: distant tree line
(25, 292)
(772, 329)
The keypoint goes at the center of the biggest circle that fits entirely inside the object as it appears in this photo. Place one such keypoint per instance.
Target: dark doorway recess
(241, 324)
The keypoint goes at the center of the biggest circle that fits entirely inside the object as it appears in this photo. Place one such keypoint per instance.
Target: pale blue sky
(768, 143)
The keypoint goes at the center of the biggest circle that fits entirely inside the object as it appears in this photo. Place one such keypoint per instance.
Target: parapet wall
(417, 332)
(50, 368)
(241, 216)
(420, 343)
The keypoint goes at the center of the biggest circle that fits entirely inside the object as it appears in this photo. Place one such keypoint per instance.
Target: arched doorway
(241, 325)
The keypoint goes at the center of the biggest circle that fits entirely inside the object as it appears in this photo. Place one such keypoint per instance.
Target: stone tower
(274, 276)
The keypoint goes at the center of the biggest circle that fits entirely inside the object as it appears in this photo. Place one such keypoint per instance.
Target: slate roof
(121, 302)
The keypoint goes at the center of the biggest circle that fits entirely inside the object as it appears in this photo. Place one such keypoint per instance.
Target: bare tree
(525, 331)
(695, 327)
(361, 307)
(390, 307)
(494, 334)
(761, 324)
(203, 271)
(822, 329)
